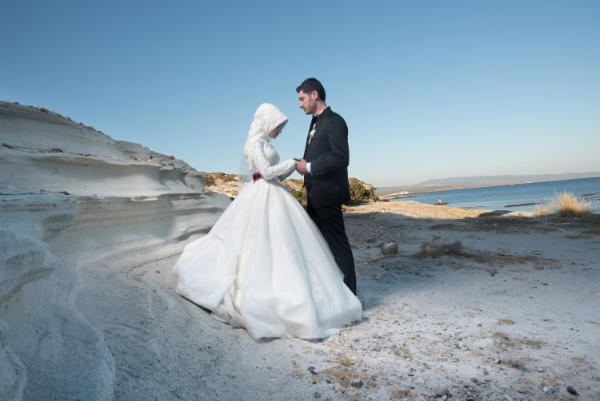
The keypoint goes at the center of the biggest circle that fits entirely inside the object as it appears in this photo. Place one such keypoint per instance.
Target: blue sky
(429, 89)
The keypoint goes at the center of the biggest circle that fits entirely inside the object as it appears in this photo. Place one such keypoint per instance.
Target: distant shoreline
(412, 191)
(408, 191)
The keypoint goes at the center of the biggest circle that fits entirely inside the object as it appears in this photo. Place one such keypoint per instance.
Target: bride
(264, 265)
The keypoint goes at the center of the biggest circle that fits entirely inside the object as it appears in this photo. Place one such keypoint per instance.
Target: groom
(325, 170)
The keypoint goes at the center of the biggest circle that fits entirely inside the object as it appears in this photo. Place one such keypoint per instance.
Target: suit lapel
(320, 122)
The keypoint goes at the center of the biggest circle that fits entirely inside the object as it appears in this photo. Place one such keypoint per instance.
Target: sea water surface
(520, 197)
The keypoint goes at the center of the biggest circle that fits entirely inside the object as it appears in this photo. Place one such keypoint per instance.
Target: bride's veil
(266, 118)
(244, 176)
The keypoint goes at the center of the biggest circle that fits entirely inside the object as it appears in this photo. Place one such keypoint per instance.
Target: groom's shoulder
(334, 116)
(337, 119)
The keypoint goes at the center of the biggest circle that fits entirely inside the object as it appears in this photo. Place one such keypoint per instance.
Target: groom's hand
(301, 166)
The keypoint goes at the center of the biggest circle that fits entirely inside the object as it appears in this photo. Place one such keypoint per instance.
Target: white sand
(89, 309)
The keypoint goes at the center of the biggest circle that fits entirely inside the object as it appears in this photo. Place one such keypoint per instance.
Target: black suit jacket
(327, 185)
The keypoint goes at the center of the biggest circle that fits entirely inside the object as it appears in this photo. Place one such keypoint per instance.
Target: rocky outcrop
(69, 195)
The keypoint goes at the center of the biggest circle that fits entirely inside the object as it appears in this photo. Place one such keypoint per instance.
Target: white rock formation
(70, 194)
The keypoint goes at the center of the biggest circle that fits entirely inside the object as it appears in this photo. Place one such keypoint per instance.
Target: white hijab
(266, 118)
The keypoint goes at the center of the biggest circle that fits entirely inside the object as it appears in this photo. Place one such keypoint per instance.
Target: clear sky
(429, 89)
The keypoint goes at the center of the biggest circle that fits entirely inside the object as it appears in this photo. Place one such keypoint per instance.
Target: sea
(518, 197)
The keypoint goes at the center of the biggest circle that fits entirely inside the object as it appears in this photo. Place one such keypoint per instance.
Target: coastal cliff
(70, 195)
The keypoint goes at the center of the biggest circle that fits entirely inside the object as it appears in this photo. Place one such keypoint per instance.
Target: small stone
(571, 390)
(339, 388)
(389, 248)
(443, 393)
(474, 379)
(357, 384)
(522, 390)
(545, 389)
(316, 396)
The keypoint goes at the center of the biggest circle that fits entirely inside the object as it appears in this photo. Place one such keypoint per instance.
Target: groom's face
(308, 102)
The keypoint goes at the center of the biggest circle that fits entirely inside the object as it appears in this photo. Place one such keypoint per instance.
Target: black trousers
(330, 222)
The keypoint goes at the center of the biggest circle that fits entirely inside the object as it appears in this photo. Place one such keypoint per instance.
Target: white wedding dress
(264, 265)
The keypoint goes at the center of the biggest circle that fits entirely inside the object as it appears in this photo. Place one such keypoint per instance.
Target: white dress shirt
(308, 169)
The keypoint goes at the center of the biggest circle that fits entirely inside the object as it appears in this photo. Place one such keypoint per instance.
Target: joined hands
(301, 166)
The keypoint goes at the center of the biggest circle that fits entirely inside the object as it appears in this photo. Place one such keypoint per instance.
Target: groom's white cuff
(308, 168)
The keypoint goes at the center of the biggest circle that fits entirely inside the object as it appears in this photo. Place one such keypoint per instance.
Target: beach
(474, 305)
(512, 313)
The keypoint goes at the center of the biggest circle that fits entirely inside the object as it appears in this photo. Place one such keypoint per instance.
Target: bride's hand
(301, 166)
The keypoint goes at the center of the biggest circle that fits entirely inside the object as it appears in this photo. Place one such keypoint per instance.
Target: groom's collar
(319, 113)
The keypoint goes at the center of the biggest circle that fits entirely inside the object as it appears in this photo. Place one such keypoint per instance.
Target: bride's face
(273, 134)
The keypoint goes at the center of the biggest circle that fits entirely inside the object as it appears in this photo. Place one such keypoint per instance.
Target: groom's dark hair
(312, 84)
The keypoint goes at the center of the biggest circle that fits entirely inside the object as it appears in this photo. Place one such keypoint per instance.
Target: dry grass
(438, 248)
(568, 204)
(504, 340)
(537, 344)
(541, 210)
(401, 351)
(517, 363)
(404, 393)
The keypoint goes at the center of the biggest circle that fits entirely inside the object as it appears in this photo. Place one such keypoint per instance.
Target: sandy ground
(512, 314)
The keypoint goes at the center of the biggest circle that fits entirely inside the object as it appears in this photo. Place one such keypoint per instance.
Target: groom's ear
(314, 95)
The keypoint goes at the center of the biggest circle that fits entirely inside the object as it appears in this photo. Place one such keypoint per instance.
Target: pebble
(474, 379)
(339, 388)
(571, 390)
(522, 390)
(389, 248)
(357, 384)
(443, 393)
(317, 396)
